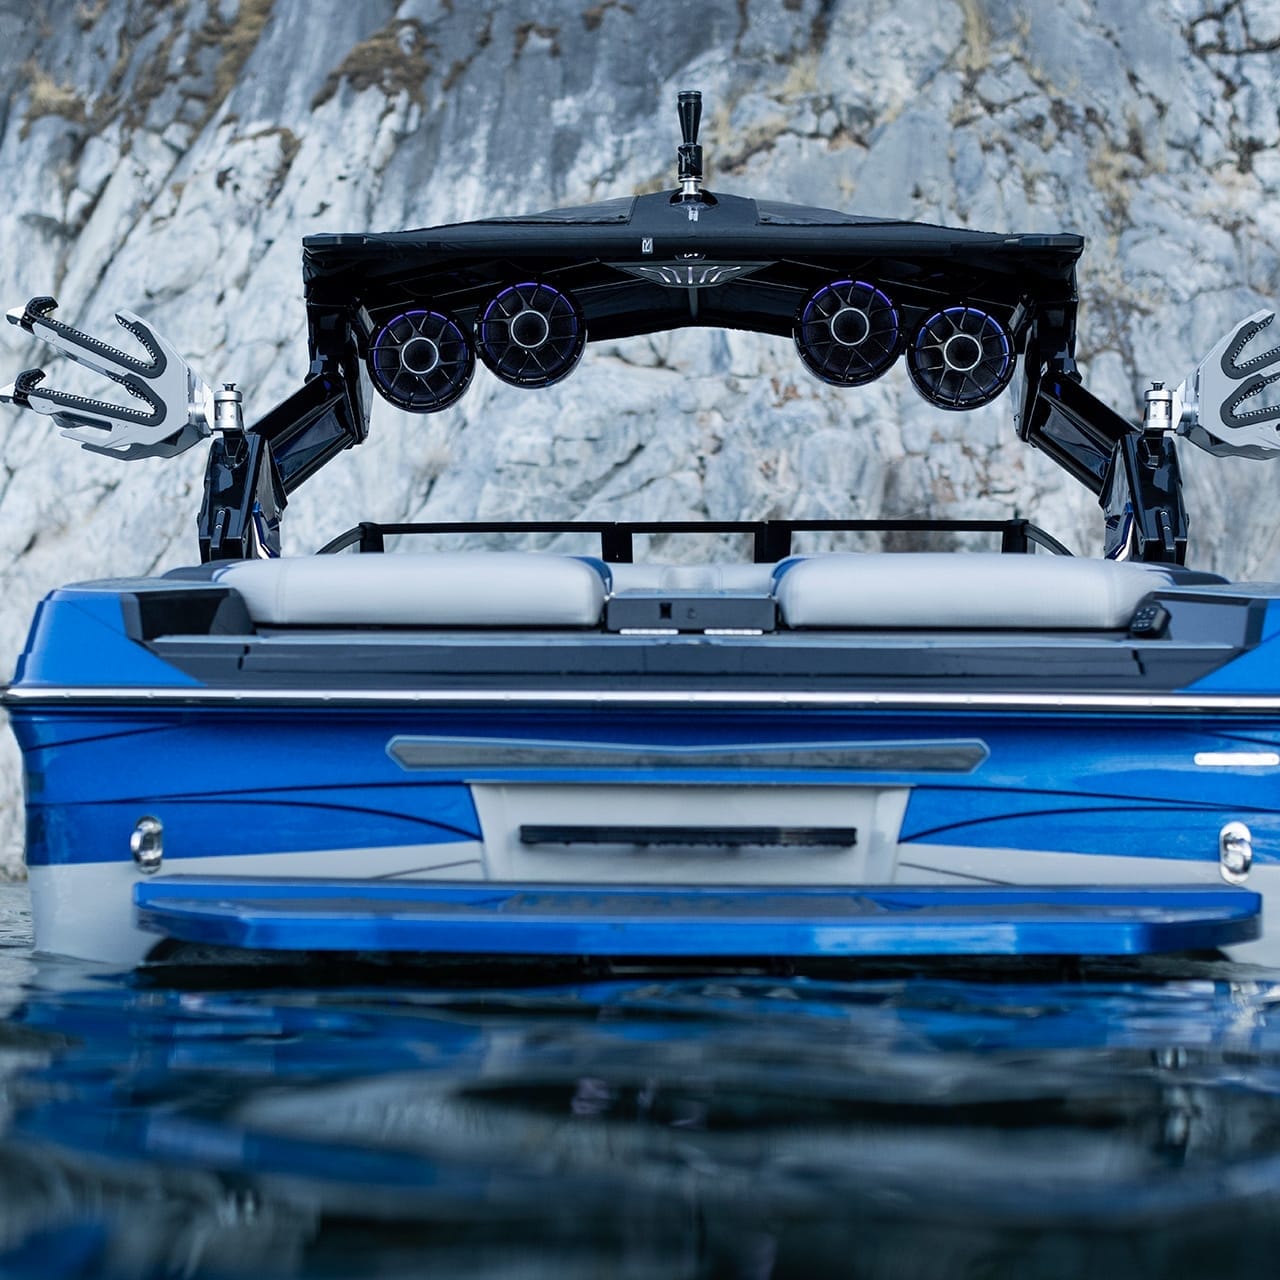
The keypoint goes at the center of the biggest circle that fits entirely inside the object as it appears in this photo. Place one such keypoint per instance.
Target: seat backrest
(961, 590)
(438, 589)
(836, 589)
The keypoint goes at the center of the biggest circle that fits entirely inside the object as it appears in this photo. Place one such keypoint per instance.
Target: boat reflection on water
(393, 1122)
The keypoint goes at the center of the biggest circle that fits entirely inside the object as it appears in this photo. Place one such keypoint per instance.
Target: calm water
(374, 1122)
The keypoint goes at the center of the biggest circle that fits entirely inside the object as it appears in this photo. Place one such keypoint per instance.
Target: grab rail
(772, 538)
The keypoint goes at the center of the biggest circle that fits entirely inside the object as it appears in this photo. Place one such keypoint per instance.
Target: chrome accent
(961, 352)
(176, 405)
(1204, 405)
(228, 409)
(1067, 703)
(841, 321)
(1235, 852)
(684, 275)
(411, 751)
(146, 843)
(1157, 413)
(1237, 759)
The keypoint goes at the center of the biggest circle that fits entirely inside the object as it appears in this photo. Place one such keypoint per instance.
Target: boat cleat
(146, 843)
(1235, 852)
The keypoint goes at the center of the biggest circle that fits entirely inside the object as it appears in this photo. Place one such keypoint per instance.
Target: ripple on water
(902, 1123)
(15, 940)
(15, 915)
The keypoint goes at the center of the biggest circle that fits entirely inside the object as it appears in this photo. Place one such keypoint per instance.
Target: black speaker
(421, 361)
(848, 332)
(961, 358)
(531, 334)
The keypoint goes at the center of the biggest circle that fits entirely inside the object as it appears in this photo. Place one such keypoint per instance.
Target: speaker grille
(531, 335)
(421, 361)
(961, 358)
(848, 332)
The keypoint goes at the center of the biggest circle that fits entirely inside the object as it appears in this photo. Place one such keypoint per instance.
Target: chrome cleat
(146, 843)
(1235, 852)
(176, 405)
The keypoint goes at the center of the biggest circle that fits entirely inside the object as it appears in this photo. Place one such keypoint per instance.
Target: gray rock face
(168, 157)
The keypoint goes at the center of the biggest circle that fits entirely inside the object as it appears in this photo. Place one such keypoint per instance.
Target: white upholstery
(464, 589)
(972, 590)
(745, 579)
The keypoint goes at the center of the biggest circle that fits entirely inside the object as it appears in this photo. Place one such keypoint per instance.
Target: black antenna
(689, 153)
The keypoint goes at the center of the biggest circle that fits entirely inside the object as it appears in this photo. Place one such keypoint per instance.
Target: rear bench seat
(836, 589)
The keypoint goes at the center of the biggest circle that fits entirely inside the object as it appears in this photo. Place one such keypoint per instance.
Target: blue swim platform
(550, 919)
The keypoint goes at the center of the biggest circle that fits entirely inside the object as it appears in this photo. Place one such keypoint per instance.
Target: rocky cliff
(166, 156)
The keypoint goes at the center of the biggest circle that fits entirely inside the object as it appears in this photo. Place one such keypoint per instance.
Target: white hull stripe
(86, 910)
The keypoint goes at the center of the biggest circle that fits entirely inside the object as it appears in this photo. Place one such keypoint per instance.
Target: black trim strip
(685, 836)
(413, 752)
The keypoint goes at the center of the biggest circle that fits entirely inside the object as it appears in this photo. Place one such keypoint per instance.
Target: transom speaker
(961, 358)
(531, 334)
(848, 332)
(421, 361)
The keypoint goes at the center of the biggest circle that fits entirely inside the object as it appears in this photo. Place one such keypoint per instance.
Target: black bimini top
(646, 263)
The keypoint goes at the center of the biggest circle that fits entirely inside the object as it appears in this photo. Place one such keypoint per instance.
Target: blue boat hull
(281, 780)
(775, 786)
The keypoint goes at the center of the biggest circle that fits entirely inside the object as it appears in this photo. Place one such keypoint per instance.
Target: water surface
(366, 1120)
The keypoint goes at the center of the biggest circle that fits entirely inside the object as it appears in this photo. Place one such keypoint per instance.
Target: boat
(543, 752)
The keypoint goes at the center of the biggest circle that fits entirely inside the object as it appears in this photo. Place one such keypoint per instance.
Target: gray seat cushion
(443, 589)
(968, 590)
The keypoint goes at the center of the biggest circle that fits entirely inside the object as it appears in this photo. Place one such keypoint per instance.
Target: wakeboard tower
(519, 752)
